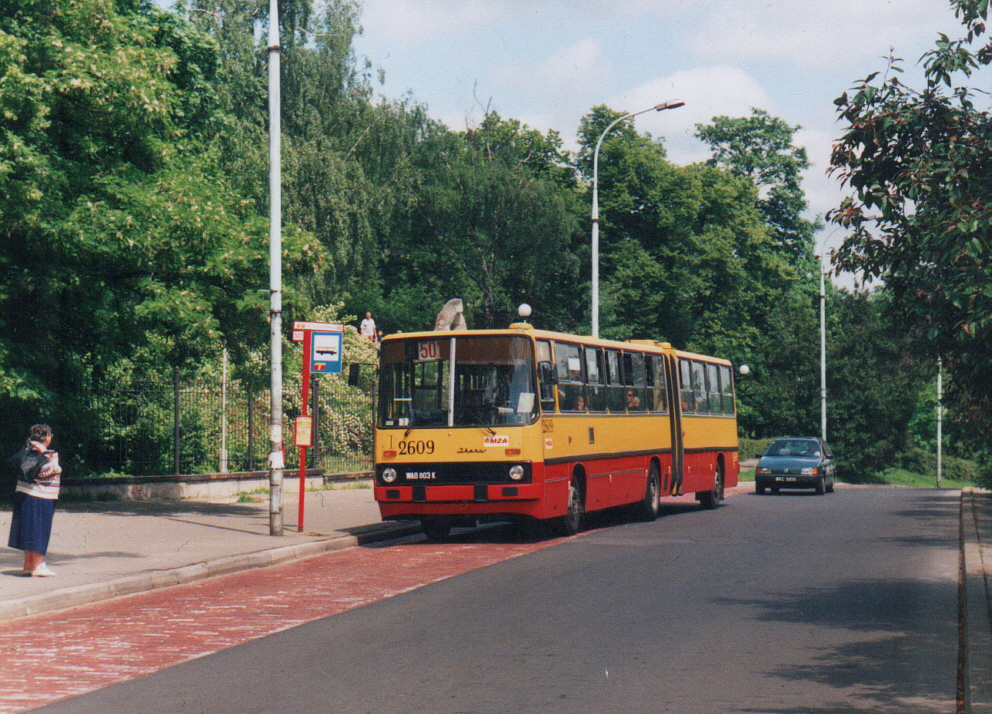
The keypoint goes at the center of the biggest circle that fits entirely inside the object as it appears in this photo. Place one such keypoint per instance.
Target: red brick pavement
(59, 655)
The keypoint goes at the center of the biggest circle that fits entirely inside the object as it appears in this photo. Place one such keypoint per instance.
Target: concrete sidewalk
(976, 565)
(106, 550)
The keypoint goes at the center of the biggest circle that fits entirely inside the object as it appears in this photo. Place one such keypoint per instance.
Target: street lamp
(674, 104)
(823, 335)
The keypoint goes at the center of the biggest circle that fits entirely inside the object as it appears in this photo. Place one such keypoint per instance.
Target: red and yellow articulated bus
(527, 425)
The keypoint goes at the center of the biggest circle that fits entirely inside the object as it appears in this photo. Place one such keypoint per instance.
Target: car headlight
(809, 471)
(764, 470)
(516, 472)
(389, 474)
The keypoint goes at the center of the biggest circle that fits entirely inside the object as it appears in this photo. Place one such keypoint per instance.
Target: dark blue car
(795, 462)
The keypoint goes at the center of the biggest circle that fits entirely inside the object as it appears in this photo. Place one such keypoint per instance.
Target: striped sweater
(48, 479)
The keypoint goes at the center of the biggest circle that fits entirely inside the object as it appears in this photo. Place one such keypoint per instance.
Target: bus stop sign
(325, 352)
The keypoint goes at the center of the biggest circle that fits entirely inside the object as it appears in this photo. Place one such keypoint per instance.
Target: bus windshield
(492, 383)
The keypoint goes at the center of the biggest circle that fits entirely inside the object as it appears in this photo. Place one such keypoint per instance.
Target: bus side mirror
(353, 371)
(546, 373)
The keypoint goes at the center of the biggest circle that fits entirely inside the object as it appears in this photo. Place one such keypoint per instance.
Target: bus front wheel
(571, 522)
(436, 529)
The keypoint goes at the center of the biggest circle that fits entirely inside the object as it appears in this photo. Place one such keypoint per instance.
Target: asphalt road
(793, 603)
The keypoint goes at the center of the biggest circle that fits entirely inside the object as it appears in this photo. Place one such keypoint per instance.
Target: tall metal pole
(276, 460)
(823, 354)
(595, 205)
(940, 416)
(223, 413)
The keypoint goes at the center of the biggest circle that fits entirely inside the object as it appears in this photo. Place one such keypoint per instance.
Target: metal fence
(172, 427)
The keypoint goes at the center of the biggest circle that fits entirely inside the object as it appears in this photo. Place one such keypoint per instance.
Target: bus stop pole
(304, 413)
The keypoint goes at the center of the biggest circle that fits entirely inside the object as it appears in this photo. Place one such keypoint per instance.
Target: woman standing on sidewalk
(38, 478)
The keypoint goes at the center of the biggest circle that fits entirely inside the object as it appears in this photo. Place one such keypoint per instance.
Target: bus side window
(545, 380)
(685, 387)
(727, 390)
(636, 381)
(656, 383)
(699, 387)
(614, 391)
(595, 391)
(713, 388)
(571, 391)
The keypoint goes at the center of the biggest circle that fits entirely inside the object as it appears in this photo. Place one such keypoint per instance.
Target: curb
(144, 582)
(976, 628)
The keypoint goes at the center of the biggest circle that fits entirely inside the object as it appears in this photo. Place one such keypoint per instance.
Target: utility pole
(276, 460)
(940, 416)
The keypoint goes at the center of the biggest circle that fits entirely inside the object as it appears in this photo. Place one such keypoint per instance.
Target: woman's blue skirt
(31, 523)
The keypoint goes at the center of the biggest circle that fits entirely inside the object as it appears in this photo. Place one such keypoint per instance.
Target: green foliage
(951, 467)
(752, 448)
(761, 148)
(918, 165)
(133, 229)
(873, 385)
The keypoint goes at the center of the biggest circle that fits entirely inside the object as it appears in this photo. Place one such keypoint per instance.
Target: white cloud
(417, 22)
(821, 35)
(577, 67)
(706, 91)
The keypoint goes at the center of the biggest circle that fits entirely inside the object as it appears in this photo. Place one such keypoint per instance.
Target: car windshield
(492, 383)
(793, 447)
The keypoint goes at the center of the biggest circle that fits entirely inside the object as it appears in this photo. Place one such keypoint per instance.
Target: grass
(255, 496)
(893, 477)
(902, 477)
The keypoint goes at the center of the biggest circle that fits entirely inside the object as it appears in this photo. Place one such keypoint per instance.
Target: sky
(546, 63)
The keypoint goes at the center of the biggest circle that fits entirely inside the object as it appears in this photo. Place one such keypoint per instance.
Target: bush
(752, 448)
(985, 472)
(952, 467)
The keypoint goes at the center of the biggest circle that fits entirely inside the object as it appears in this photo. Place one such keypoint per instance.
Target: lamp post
(940, 416)
(276, 464)
(823, 353)
(820, 254)
(674, 104)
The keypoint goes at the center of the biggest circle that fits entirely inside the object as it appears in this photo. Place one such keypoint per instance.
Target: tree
(126, 244)
(491, 222)
(875, 382)
(919, 166)
(685, 250)
(761, 148)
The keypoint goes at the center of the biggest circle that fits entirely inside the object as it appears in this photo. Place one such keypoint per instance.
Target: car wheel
(759, 488)
(821, 487)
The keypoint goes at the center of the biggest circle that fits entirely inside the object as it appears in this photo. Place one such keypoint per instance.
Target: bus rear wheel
(711, 499)
(649, 507)
(436, 529)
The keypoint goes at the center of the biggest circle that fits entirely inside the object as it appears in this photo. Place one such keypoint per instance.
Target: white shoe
(42, 571)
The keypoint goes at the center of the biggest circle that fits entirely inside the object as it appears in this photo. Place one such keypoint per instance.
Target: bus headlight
(516, 472)
(389, 474)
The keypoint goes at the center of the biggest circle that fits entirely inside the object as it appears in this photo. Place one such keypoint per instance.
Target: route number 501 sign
(429, 351)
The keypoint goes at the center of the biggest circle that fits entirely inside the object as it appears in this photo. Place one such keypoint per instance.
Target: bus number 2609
(416, 448)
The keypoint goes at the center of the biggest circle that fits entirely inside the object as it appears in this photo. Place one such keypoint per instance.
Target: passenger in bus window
(580, 403)
(633, 401)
